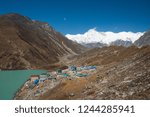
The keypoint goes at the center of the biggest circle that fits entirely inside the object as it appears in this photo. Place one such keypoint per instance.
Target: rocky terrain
(30, 44)
(121, 43)
(94, 45)
(143, 40)
(121, 73)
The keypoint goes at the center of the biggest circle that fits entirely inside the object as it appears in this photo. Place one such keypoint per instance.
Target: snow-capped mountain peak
(94, 36)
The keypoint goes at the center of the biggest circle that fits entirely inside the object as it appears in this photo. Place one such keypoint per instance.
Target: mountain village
(37, 85)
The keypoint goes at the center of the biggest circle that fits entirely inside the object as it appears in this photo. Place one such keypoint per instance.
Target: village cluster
(39, 84)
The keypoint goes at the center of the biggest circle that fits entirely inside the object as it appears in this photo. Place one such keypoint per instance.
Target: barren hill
(122, 73)
(26, 44)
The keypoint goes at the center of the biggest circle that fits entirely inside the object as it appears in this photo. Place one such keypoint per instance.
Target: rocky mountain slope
(122, 73)
(143, 40)
(118, 42)
(121, 43)
(26, 44)
(94, 45)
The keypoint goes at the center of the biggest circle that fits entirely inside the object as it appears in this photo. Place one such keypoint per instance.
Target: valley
(118, 69)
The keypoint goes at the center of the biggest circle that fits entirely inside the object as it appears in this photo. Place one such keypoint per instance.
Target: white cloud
(93, 36)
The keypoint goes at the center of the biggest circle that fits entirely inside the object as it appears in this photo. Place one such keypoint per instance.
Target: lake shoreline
(11, 81)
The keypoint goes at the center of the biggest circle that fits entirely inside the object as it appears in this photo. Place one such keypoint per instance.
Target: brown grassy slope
(31, 44)
(122, 73)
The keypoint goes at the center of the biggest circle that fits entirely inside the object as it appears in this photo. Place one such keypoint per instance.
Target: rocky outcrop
(94, 45)
(143, 40)
(121, 43)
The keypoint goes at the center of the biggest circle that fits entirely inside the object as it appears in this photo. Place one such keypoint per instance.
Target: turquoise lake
(11, 81)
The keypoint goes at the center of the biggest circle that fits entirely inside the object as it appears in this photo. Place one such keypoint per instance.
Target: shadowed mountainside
(26, 44)
(143, 40)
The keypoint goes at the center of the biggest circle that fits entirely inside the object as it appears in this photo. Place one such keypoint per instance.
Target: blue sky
(77, 16)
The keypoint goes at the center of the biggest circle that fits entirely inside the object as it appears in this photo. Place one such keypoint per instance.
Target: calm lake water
(11, 81)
